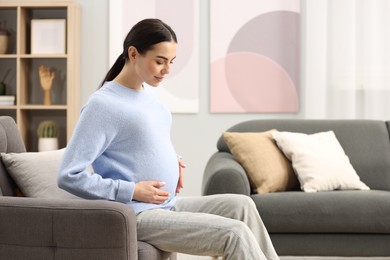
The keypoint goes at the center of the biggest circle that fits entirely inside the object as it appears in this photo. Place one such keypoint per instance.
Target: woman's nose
(166, 69)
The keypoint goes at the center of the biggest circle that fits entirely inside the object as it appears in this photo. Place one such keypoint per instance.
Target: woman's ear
(132, 53)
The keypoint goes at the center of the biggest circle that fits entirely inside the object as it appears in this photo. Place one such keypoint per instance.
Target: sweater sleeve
(94, 132)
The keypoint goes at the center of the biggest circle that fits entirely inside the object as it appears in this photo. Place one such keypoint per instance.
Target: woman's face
(156, 63)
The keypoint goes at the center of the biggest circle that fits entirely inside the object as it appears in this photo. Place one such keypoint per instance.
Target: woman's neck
(128, 79)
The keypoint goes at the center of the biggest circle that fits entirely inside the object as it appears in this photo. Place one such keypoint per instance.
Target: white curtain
(346, 68)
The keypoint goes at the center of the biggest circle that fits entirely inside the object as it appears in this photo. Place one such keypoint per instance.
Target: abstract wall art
(255, 56)
(180, 90)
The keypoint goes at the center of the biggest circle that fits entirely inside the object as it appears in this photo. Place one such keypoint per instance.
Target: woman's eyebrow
(164, 58)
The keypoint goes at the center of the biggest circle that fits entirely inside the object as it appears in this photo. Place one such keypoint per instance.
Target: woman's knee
(241, 201)
(243, 207)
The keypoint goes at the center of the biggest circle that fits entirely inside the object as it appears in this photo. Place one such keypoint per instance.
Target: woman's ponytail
(115, 69)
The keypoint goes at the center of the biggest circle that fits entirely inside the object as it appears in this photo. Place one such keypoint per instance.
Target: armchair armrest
(223, 174)
(67, 229)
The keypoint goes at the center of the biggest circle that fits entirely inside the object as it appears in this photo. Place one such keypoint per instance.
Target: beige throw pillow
(267, 168)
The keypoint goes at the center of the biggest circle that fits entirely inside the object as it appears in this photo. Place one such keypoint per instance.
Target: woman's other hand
(182, 165)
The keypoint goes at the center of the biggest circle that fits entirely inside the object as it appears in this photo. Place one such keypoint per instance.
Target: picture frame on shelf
(48, 36)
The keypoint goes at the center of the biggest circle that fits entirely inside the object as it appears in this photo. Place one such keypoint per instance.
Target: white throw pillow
(319, 161)
(35, 173)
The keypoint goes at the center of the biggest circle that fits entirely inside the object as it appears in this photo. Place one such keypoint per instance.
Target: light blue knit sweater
(125, 135)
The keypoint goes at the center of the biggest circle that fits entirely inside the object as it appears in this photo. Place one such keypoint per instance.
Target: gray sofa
(32, 228)
(333, 223)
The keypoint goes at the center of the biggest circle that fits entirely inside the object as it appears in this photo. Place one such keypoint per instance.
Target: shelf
(22, 68)
(34, 107)
(7, 108)
(43, 107)
(43, 56)
(8, 56)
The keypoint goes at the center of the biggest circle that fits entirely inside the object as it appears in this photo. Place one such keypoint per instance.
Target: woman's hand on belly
(150, 192)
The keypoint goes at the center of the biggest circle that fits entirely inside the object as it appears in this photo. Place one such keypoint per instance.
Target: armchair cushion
(35, 173)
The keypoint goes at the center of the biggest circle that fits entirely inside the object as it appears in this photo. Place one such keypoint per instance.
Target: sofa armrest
(68, 229)
(223, 174)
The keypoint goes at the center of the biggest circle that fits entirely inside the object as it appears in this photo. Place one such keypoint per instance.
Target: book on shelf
(7, 100)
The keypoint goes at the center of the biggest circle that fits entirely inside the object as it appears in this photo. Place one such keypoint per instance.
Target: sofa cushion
(365, 142)
(36, 173)
(319, 161)
(325, 212)
(266, 166)
(332, 246)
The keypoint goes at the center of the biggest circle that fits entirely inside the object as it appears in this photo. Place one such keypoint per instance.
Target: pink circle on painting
(258, 84)
(275, 35)
(220, 96)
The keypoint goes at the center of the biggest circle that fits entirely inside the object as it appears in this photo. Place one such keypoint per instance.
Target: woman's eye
(159, 63)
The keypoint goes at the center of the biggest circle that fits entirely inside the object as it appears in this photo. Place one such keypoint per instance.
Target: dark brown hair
(142, 36)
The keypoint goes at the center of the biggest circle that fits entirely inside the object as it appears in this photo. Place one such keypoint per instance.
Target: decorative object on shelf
(3, 85)
(48, 134)
(48, 36)
(3, 38)
(7, 100)
(46, 76)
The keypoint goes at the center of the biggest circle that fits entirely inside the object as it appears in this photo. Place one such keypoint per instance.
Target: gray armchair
(32, 228)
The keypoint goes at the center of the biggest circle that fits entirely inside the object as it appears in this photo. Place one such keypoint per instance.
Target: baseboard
(189, 257)
(332, 258)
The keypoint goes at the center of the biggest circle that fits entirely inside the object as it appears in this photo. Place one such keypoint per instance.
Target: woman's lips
(159, 79)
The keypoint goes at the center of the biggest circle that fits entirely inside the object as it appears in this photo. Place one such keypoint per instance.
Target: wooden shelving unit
(23, 78)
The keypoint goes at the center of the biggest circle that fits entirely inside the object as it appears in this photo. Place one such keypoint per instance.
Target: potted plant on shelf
(47, 135)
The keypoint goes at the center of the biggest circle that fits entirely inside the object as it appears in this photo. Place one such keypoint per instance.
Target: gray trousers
(218, 225)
